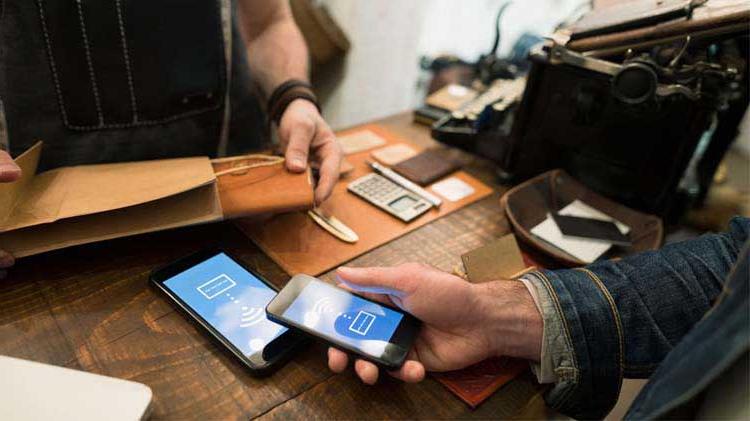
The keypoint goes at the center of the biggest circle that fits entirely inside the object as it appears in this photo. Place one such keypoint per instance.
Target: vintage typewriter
(640, 102)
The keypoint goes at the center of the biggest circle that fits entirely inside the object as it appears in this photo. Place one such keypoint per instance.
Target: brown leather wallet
(427, 167)
(265, 189)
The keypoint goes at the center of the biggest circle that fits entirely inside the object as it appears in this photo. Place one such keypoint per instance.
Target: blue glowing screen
(230, 299)
(339, 315)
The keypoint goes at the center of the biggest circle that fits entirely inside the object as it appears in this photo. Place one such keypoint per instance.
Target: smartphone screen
(380, 332)
(230, 301)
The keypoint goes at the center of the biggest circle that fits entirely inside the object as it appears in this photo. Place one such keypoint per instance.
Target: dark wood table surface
(91, 308)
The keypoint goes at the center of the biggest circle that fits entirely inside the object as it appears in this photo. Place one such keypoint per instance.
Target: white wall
(381, 68)
(466, 28)
(381, 71)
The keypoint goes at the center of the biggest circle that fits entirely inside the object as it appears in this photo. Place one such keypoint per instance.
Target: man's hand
(277, 52)
(9, 172)
(463, 323)
(304, 133)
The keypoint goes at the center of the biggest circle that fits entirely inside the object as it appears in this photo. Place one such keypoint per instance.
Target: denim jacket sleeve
(618, 319)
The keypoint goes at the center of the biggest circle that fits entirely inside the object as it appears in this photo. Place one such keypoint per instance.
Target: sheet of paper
(359, 141)
(580, 248)
(452, 189)
(77, 191)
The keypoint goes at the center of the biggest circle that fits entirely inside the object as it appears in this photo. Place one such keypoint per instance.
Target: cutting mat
(299, 245)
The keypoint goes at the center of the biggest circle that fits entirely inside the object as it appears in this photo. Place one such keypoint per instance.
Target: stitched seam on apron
(225, 13)
(147, 122)
(52, 64)
(61, 101)
(126, 57)
(92, 75)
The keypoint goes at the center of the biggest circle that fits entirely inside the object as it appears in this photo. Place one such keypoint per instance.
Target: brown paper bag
(83, 204)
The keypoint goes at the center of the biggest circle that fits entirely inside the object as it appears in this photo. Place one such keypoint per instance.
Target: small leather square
(427, 167)
(499, 259)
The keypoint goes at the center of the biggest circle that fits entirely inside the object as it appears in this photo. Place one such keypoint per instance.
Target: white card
(452, 189)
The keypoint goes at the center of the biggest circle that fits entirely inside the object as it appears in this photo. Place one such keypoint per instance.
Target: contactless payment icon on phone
(229, 302)
(362, 323)
(379, 332)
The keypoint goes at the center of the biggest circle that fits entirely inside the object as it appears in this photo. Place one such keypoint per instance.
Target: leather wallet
(263, 190)
(427, 167)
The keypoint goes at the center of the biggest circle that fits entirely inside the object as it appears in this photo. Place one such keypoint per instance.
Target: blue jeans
(643, 317)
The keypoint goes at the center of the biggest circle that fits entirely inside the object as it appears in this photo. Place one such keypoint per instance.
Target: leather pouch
(253, 185)
(427, 167)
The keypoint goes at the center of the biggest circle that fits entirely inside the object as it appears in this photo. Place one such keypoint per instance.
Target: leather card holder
(427, 167)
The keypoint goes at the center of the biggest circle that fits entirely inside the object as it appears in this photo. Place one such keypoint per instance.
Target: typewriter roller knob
(635, 83)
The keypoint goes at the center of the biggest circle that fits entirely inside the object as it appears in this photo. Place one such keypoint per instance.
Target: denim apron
(122, 80)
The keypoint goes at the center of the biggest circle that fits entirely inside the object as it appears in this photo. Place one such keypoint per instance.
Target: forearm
(275, 47)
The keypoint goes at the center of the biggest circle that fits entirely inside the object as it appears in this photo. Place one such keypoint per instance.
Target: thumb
(378, 280)
(301, 134)
(9, 171)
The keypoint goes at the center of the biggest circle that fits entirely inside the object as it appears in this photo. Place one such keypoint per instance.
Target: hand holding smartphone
(376, 332)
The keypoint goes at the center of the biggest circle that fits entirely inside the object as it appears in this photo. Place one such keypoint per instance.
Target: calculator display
(402, 203)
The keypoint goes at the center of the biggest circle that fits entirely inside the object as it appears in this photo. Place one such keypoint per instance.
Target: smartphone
(227, 300)
(592, 229)
(376, 332)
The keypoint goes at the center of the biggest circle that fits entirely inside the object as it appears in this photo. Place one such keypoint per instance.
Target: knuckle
(336, 148)
(371, 272)
(306, 125)
(284, 133)
(297, 149)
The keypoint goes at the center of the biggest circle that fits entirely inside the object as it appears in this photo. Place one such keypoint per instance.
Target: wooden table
(91, 308)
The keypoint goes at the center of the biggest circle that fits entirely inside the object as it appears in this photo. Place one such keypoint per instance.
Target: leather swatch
(427, 167)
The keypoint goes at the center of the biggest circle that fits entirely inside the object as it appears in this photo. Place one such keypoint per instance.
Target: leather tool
(335, 227)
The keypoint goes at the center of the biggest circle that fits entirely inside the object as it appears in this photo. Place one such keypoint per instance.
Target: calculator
(389, 196)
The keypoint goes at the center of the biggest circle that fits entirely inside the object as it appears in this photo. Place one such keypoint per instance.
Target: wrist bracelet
(287, 92)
